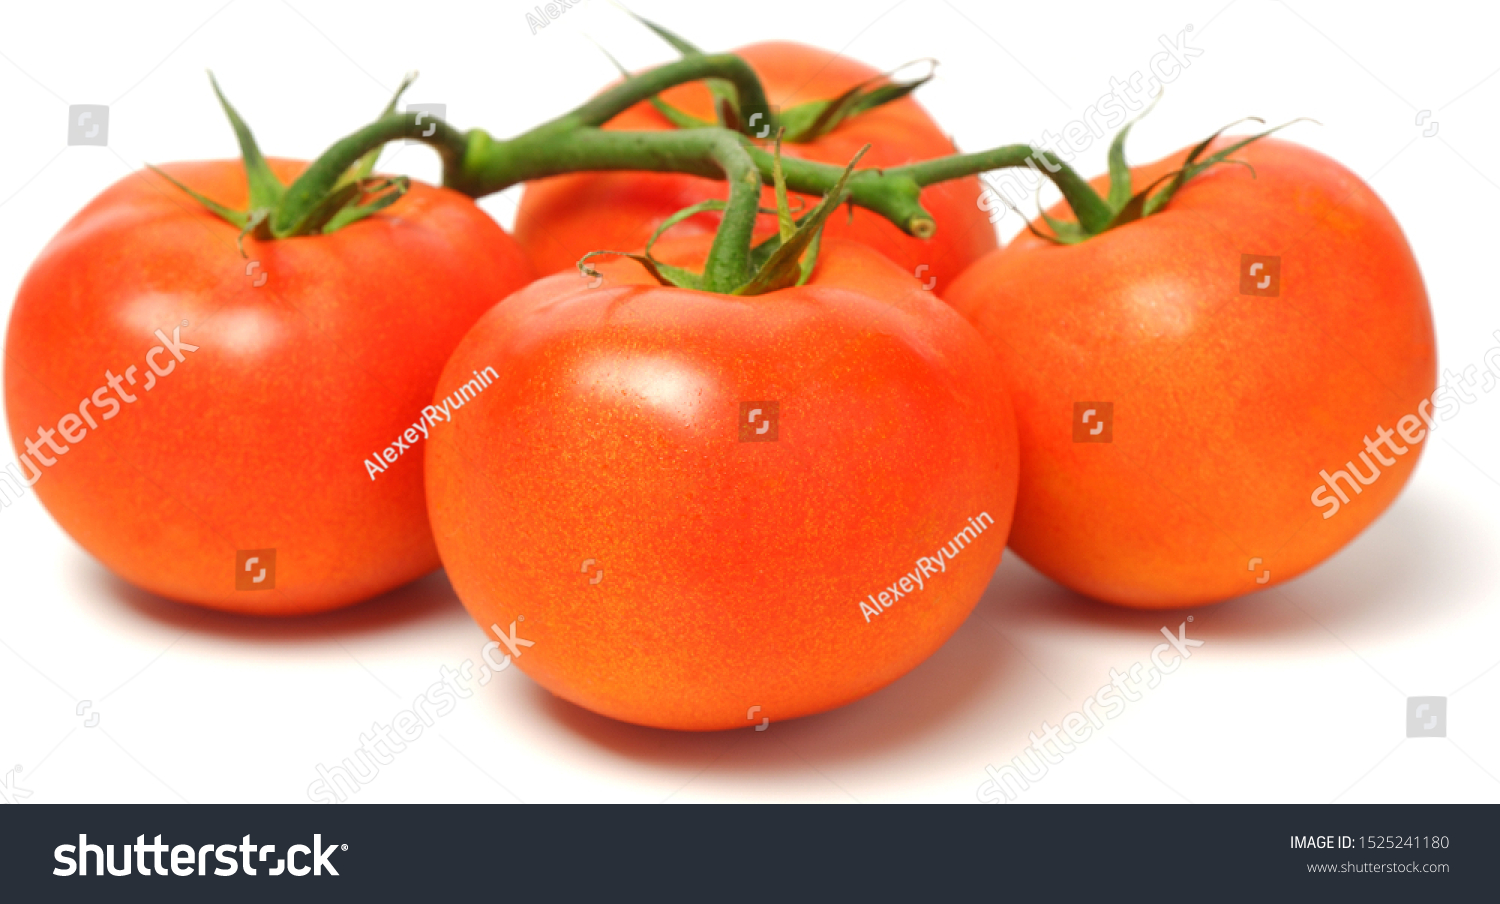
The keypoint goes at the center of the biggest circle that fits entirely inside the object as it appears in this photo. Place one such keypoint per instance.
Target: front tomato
(238, 431)
(704, 510)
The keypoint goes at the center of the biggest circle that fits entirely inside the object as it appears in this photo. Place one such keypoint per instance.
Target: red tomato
(706, 510)
(241, 430)
(1233, 387)
(565, 217)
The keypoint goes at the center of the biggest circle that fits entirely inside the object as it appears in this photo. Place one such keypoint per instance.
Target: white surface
(1298, 693)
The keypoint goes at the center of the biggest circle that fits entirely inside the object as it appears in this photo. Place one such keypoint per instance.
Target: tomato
(1234, 388)
(564, 217)
(242, 428)
(705, 510)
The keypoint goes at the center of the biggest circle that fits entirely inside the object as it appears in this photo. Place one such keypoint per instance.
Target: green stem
(490, 166)
(889, 193)
(322, 174)
(477, 164)
(728, 265)
(621, 97)
(1092, 211)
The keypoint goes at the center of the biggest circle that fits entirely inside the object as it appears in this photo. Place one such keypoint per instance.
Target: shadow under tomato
(428, 599)
(930, 707)
(1420, 561)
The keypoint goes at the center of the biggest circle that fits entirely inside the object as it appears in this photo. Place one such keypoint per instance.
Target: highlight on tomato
(830, 106)
(706, 500)
(221, 401)
(1221, 373)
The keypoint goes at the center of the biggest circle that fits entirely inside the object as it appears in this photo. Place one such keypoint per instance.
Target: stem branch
(621, 97)
(1092, 212)
(320, 176)
(477, 164)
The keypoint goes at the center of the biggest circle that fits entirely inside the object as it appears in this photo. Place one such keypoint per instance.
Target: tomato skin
(732, 572)
(564, 217)
(1226, 405)
(256, 440)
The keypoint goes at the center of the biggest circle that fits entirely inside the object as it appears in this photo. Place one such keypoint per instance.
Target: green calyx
(1122, 204)
(800, 124)
(784, 260)
(278, 212)
(814, 119)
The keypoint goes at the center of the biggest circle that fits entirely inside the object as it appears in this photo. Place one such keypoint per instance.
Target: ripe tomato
(706, 510)
(564, 217)
(1233, 387)
(241, 429)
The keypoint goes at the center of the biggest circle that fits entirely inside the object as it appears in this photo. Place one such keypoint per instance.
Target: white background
(1299, 692)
